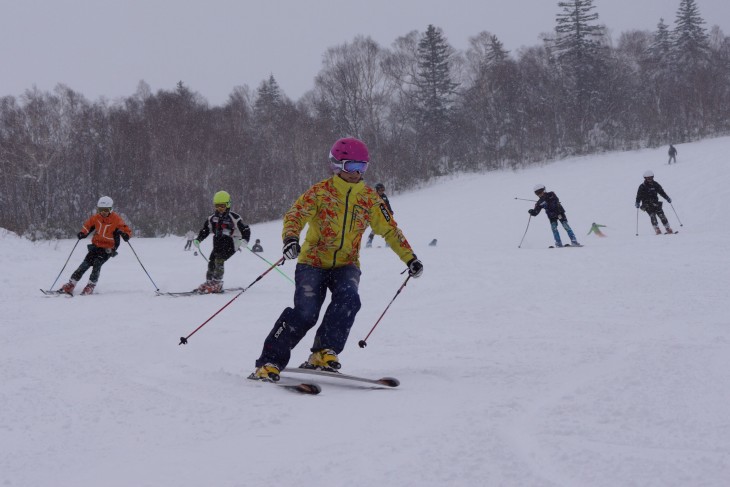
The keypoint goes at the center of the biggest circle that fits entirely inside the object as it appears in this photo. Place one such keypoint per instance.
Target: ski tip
(389, 381)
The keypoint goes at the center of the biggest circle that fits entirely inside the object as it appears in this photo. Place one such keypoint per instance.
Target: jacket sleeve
(660, 190)
(383, 224)
(639, 195)
(245, 230)
(88, 225)
(205, 231)
(121, 226)
(299, 214)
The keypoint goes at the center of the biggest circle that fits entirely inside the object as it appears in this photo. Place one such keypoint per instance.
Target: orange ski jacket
(104, 228)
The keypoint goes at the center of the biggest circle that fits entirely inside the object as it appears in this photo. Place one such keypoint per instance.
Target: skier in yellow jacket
(338, 210)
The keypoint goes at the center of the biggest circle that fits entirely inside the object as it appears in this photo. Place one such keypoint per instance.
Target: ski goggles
(106, 209)
(347, 165)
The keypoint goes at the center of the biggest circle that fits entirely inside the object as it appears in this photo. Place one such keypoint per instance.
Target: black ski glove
(124, 236)
(81, 235)
(532, 212)
(291, 248)
(415, 267)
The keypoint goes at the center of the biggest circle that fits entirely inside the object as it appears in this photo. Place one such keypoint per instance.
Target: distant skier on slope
(380, 188)
(596, 228)
(549, 201)
(672, 154)
(329, 259)
(229, 233)
(647, 198)
(257, 246)
(108, 228)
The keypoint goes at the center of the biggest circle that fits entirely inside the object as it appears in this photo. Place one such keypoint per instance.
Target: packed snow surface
(607, 365)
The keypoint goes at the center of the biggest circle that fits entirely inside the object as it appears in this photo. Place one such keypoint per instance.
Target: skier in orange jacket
(108, 228)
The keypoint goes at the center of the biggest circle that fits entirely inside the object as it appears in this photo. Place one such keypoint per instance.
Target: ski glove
(291, 248)
(124, 236)
(637, 205)
(81, 235)
(532, 212)
(415, 267)
(669, 200)
(196, 242)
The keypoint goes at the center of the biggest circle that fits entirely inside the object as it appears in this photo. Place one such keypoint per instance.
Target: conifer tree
(690, 38)
(435, 88)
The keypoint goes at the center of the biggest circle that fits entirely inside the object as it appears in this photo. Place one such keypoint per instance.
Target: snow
(605, 365)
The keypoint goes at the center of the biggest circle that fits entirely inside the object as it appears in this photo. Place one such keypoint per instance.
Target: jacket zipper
(344, 226)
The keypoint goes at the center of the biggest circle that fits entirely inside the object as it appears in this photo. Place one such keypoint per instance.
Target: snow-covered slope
(606, 365)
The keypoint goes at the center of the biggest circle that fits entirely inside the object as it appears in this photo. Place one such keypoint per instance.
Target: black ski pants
(96, 257)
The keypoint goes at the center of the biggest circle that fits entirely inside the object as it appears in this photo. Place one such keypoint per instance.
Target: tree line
(424, 108)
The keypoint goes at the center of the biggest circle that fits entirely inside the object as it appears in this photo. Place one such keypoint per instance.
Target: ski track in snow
(605, 365)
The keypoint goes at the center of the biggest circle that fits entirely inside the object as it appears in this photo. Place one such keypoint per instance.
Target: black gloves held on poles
(124, 236)
(291, 248)
(415, 267)
(81, 235)
(532, 212)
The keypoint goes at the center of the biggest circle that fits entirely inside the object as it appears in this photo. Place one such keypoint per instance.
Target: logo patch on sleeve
(385, 212)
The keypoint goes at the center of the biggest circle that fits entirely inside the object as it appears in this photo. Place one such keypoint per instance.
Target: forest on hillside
(424, 109)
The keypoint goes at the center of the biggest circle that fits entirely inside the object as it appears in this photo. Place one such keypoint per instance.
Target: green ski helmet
(222, 198)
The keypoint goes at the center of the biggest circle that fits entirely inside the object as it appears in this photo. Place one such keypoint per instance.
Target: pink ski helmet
(349, 149)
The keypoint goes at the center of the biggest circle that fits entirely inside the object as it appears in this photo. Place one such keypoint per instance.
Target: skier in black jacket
(229, 233)
(380, 188)
(555, 212)
(647, 198)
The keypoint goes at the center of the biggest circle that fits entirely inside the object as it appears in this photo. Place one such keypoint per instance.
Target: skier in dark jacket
(229, 233)
(380, 189)
(647, 198)
(549, 201)
(672, 154)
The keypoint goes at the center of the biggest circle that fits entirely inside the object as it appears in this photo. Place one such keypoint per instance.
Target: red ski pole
(184, 340)
(363, 343)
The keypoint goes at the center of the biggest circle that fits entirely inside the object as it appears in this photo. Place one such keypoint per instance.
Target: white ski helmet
(539, 188)
(649, 174)
(105, 202)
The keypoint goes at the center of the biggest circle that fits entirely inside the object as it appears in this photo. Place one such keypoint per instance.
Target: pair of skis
(566, 245)
(56, 293)
(195, 292)
(312, 388)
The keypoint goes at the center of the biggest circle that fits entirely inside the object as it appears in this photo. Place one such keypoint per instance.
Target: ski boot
(657, 230)
(325, 359)
(210, 287)
(266, 373)
(68, 288)
(89, 289)
(575, 243)
(558, 244)
(669, 229)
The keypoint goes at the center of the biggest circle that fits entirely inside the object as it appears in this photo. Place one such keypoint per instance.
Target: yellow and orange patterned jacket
(338, 213)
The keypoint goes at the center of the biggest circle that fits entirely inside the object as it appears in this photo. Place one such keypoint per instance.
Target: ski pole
(277, 270)
(184, 340)
(523, 199)
(637, 222)
(363, 343)
(140, 263)
(675, 214)
(523, 236)
(64, 265)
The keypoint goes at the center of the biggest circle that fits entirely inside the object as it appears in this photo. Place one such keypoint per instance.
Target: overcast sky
(105, 47)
